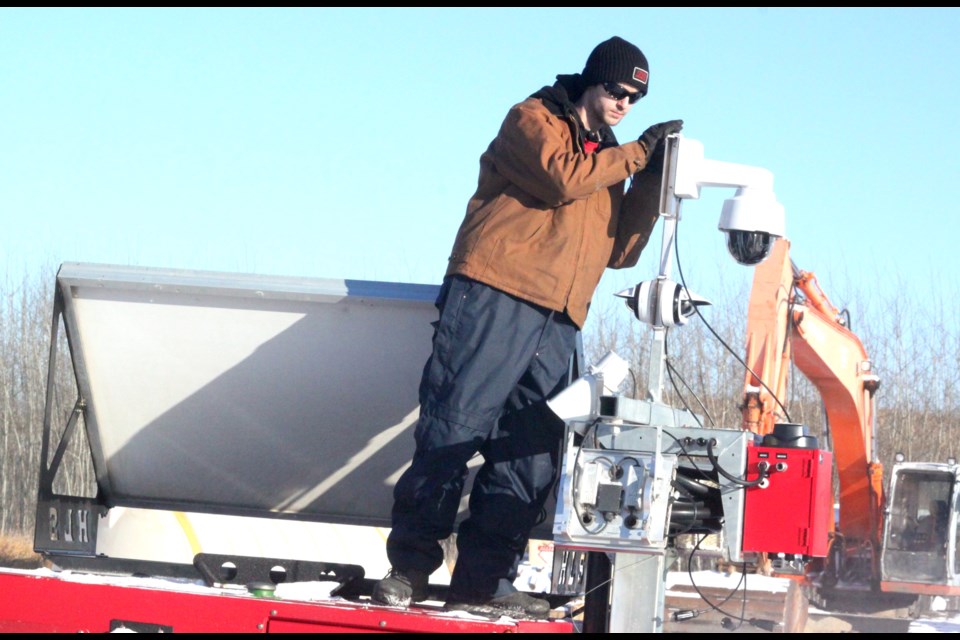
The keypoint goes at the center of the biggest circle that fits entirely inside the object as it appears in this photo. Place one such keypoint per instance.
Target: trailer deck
(47, 601)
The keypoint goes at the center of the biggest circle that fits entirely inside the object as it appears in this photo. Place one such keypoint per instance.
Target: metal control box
(615, 500)
(789, 511)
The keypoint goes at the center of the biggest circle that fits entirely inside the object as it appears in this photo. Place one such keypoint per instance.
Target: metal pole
(596, 601)
(638, 590)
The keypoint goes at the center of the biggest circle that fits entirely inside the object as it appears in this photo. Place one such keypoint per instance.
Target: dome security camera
(752, 220)
(749, 247)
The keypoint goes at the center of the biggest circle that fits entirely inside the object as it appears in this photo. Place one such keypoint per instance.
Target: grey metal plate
(247, 394)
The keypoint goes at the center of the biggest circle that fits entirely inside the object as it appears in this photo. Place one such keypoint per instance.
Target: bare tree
(26, 310)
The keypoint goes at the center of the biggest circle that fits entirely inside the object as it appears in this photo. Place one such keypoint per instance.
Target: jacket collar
(559, 100)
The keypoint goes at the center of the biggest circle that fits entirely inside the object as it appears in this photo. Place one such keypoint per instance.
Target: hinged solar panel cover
(247, 394)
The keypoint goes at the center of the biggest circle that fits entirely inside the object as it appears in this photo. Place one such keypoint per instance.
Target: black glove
(655, 133)
(655, 160)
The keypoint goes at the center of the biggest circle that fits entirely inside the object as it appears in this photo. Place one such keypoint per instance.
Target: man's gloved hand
(655, 133)
(655, 160)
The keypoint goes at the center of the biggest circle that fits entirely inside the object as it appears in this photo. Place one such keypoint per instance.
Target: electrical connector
(685, 614)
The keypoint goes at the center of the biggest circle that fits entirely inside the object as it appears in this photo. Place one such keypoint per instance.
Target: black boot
(400, 588)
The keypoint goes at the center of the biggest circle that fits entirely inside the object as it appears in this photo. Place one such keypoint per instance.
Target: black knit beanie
(616, 60)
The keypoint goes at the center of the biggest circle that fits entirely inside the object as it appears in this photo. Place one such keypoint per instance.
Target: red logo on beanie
(640, 75)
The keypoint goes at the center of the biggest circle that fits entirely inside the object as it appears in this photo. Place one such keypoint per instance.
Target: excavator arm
(791, 320)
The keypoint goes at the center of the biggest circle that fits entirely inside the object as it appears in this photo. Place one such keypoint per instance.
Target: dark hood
(559, 99)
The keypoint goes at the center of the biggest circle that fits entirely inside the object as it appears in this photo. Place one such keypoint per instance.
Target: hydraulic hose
(692, 485)
(738, 481)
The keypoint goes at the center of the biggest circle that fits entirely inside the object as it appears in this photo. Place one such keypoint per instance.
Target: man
(550, 213)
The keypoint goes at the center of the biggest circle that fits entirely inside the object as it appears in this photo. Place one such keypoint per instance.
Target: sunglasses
(618, 93)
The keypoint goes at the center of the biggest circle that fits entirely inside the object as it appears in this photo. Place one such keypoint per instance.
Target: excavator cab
(920, 553)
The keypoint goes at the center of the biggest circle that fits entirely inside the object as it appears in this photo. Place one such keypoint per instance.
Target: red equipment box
(791, 512)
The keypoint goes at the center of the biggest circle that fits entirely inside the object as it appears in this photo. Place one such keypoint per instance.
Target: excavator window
(956, 539)
(918, 526)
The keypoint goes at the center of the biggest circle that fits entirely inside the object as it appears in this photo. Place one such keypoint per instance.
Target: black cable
(670, 371)
(575, 489)
(716, 464)
(715, 607)
(676, 247)
(735, 480)
(691, 486)
(679, 395)
(760, 623)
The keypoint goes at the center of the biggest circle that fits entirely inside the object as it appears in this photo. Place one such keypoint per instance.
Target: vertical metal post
(639, 592)
(596, 601)
(46, 473)
(670, 212)
(638, 583)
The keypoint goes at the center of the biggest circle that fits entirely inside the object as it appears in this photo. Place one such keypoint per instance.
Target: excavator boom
(898, 541)
(791, 322)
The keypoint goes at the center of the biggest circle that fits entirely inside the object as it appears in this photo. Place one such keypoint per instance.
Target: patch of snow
(935, 625)
(723, 580)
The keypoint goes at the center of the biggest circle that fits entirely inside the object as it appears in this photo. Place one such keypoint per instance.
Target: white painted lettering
(54, 529)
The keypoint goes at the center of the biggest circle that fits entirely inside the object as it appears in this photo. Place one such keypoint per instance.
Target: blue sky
(344, 143)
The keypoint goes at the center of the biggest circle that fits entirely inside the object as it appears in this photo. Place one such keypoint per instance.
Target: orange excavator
(876, 539)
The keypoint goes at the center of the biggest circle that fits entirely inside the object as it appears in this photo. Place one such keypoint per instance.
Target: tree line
(915, 350)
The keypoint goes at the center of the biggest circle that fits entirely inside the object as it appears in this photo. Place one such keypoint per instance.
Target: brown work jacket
(547, 218)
